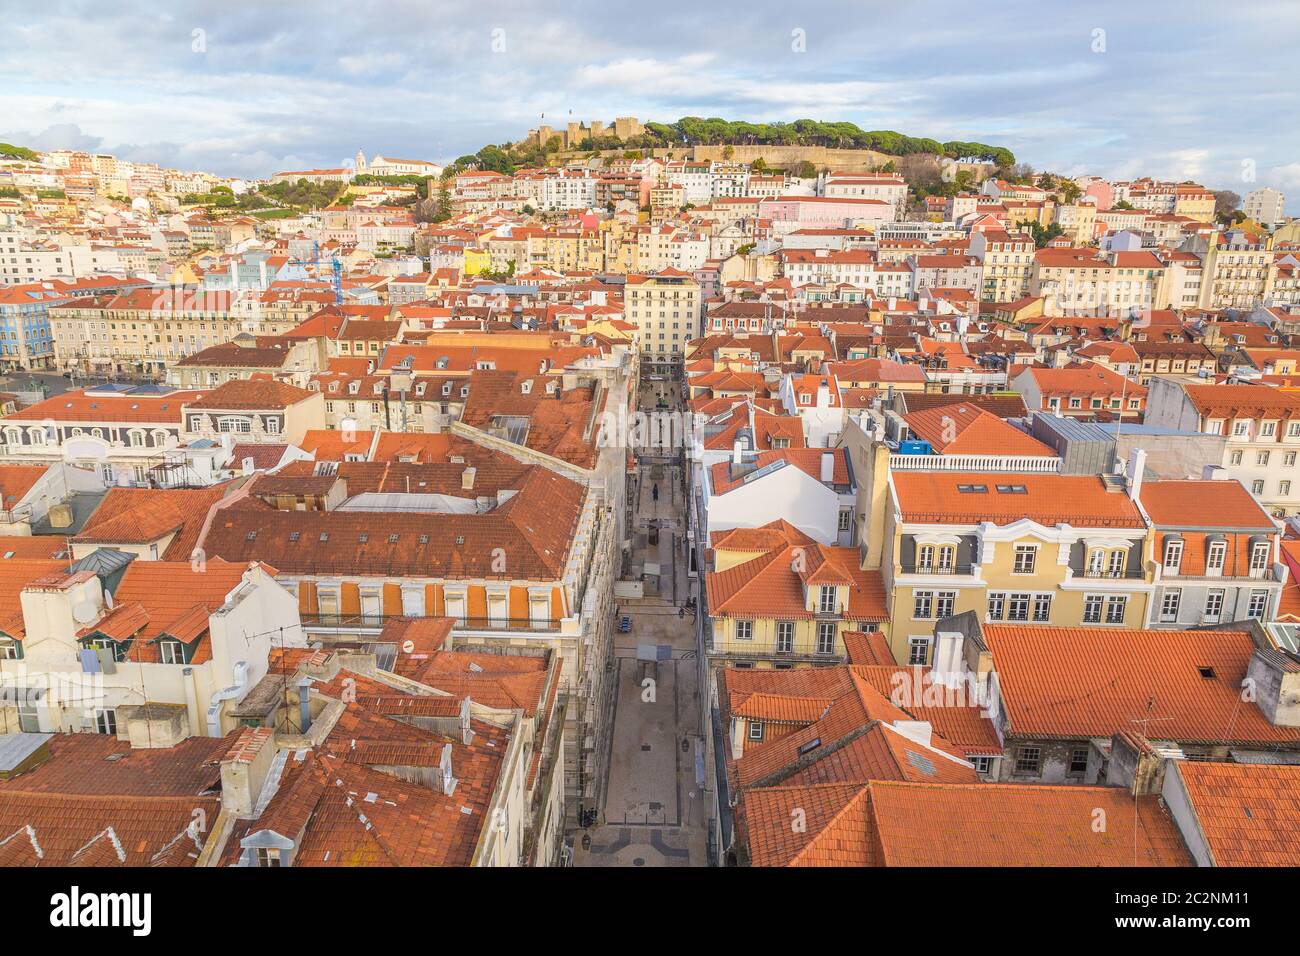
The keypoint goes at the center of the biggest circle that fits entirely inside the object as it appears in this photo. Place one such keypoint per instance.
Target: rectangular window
(1025, 558)
(982, 764)
(1018, 607)
(1169, 605)
(1173, 555)
(1234, 458)
(997, 604)
(945, 603)
(756, 730)
(1117, 563)
(744, 630)
(826, 600)
(826, 637)
(784, 637)
(1213, 607)
(1215, 556)
(1259, 559)
(1092, 604)
(1028, 759)
(169, 652)
(1257, 487)
(1042, 607)
(1115, 607)
(918, 651)
(922, 605)
(106, 722)
(1079, 761)
(1257, 605)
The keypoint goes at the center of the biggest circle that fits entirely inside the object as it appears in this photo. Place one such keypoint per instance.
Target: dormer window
(268, 856)
(1173, 555)
(826, 603)
(1259, 558)
(1215, 556)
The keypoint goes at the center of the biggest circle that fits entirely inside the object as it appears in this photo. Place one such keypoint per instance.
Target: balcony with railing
(960, 568)
(1251, 574)
(376, 622)
(775, 650)
(1023, 464)
(1115, 574)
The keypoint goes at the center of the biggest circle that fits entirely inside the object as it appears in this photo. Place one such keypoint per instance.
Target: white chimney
(891, 303)
(1137, 465)
(828, 467)
(248, 466)
(737, 452)
(466, 731)
(467, 478)
(948, 665)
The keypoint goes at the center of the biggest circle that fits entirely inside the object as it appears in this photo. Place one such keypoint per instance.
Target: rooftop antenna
(1144, 721)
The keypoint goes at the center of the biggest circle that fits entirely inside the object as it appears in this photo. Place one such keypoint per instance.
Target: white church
(387, 166)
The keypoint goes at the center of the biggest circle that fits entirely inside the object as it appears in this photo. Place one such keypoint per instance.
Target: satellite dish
(83, 612)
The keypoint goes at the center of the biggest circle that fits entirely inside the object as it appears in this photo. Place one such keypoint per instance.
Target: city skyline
(1099, 91)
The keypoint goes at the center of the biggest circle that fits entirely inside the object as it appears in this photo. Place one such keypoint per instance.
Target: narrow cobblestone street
(654, 813)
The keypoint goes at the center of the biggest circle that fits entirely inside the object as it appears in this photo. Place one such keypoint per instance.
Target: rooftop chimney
(467, 478)
(444, 767)
(1276, 680)
(737, 452)
(1137, 465)
(466, 732)
(304, 704)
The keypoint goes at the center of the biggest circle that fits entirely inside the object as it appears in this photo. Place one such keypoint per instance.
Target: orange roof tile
(1014, 825)
(961, 429)
(1112, 677)
(1081, 500)
(1248, 814)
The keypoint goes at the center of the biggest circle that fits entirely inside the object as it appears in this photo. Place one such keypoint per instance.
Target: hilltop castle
(624, 127)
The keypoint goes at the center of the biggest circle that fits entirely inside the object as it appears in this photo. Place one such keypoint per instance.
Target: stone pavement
(654, 812)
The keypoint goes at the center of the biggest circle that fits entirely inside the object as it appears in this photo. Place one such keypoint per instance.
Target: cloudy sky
(1188, 89)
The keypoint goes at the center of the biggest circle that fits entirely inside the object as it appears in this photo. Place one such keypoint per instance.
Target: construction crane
(336, 270)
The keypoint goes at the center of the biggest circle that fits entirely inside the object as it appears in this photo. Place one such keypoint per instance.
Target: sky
(1186, 90)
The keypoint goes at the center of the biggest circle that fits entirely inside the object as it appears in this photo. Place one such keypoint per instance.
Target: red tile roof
(1219, 505)
(962, 429)
(1113, 677)
(1013, 825)
(1248, 814)
(1081, 500)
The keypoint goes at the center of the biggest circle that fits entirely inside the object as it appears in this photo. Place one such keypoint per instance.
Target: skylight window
(1012, 490)
(973, 489)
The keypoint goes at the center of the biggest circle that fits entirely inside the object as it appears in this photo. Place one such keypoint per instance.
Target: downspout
(219, 697)
(191, 697)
